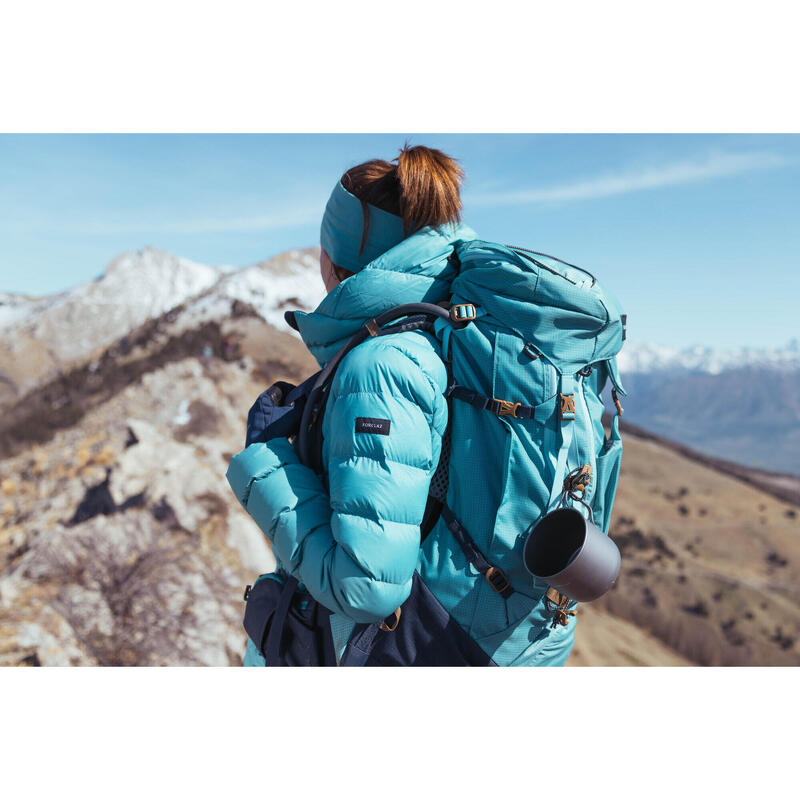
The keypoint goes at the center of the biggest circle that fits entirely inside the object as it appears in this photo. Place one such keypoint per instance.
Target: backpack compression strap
(503, 408)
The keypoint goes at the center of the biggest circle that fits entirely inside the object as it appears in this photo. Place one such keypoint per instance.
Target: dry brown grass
(711, 567)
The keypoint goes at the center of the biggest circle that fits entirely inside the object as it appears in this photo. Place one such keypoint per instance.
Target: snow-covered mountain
(134, 287)
(643, 357)
(121, 402)
(288, 281)
(41, 338)
(741, 405)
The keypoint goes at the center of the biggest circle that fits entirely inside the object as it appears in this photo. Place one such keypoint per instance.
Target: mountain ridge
(645, 357)
(44, 338)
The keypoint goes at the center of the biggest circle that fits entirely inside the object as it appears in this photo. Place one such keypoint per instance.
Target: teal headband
(343, 227)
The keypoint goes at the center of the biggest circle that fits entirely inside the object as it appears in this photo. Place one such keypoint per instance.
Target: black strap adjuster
(247, 590)
(497, 580)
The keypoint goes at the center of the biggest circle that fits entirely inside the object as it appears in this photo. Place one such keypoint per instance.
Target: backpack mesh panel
(441, 478)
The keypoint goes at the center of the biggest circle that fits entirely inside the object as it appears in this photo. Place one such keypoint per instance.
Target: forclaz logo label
(372, 425)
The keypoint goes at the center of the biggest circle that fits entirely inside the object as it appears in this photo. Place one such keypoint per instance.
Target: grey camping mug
(570, 553)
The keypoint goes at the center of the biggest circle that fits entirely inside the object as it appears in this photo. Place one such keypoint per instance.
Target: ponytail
(430, 187)
(422, 186)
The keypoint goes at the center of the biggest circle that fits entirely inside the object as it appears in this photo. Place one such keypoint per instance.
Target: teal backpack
(563, 355)
(529, 340)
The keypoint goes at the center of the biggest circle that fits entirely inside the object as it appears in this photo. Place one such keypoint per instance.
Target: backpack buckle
(497, 579)
(531, 351)
(463, 312)
(504, 408)
(392, 621)
(557, 603)
(567, 406)
(579, 479)
(247, 590)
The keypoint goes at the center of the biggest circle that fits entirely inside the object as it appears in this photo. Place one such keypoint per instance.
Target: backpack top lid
(561, 310)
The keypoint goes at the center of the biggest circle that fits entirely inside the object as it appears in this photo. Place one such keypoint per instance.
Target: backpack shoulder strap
(440, 482)
(413, 316)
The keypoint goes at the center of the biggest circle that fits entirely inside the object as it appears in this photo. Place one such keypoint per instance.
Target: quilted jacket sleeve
(356, 548)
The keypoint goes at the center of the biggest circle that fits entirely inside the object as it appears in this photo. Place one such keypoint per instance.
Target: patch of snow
(644, 357)
(289, 281)
(183, 417)
(15, 308)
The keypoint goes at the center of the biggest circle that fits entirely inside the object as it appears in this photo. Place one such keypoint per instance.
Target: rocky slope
(120, 542)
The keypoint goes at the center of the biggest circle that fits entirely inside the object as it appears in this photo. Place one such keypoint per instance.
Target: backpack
(422, 632)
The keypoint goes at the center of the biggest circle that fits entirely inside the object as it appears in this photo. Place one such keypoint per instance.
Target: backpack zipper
(528, 253)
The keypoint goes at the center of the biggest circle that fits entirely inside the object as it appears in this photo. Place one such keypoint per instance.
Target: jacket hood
(415, 270)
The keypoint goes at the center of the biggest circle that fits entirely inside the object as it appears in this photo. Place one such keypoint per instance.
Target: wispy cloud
(676, 173)
(116, 226)
(291, 218)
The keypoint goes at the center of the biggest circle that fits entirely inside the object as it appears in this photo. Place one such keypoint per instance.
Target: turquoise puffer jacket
(355, 542)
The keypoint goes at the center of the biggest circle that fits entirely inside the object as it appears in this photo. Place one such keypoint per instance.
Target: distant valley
(744, 407)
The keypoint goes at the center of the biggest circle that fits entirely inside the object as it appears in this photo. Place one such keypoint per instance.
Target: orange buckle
(557, 603)
(463, 312)
(578, 479)
(505, 408)
(497, 580)
(372, 327)
(567, 406)
(395, 617)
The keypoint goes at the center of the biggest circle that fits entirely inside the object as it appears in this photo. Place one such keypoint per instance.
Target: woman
(392, 234)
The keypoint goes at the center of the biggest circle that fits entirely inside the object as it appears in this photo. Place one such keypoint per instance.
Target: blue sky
(698, 235)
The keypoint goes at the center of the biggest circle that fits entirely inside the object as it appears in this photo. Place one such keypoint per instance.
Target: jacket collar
(415, 270)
